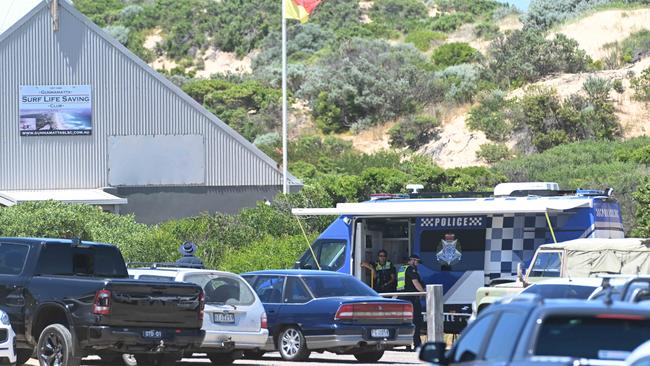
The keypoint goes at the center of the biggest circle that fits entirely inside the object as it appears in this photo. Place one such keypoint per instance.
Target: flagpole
(285, 187)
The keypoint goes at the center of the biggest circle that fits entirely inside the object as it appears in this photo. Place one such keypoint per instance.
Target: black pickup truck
(68, 298)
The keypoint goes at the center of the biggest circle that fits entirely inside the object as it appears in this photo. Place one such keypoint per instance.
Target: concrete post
(435, 316)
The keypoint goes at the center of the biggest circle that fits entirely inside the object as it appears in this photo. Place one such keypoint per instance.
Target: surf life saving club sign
(55, 110)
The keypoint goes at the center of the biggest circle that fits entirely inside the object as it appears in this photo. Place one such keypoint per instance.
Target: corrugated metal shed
(128, 99)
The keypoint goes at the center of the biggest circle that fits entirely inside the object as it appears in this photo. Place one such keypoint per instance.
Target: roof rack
(450, 194)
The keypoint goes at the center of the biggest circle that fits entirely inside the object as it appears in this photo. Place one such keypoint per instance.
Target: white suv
(234, 319)
(7, 341)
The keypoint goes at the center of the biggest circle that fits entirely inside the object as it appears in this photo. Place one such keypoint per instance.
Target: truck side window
(330, 255)
(12, 258)
(468, 347)
(505, 337)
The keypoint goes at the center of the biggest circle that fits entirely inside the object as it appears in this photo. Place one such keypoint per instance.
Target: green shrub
(475, 7)
(364, 82)
(398, 13)
(493, 153)
(248, 106)
(450, 22)
(641, 86)
(414, 131)
(267, 253)
(460, 83)
(490, 116)
(642, 199)
(636, 46)
(454, 53)
(543, 14)
(424, 39)
(592, 164)
(486, 30)
(527, 56)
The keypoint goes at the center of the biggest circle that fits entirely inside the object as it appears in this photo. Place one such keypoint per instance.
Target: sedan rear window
(608, 336)
(220, 290)
(332, 286)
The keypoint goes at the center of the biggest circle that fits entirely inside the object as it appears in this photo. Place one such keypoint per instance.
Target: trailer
(465, 240)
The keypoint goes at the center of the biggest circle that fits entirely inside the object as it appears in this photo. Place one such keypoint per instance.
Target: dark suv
(528, 330)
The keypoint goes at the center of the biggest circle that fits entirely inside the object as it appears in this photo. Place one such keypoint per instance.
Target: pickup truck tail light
(201, 305)
(375, 311)
(102, 304)
(264, 322)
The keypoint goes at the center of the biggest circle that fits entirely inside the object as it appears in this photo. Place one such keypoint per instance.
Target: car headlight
(4, 318)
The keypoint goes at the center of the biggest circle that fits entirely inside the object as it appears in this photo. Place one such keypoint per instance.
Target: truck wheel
(23, 355)
(292, 345)
(55, 347)
(369, 357)
(129, 360)
(155, 360)
(221, 358)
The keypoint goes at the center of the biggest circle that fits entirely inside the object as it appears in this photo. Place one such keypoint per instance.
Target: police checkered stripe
(511, 240)
(430, 221)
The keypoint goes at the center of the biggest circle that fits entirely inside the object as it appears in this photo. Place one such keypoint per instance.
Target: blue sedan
(319, 311)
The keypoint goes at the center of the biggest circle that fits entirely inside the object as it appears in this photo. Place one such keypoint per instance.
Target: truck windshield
(223, 290)
(547, 264)
(330, 255)
(61, 259)
(558, 334)
(333, 286)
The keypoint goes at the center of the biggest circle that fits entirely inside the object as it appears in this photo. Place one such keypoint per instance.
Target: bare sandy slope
(371, 140)
(456, 145)
(634, 116)
(466, 33)
(215, 61)
(596, 30)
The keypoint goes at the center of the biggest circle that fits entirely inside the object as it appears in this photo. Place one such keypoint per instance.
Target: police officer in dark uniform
(383, 272)
(413, 283)
(188, 260)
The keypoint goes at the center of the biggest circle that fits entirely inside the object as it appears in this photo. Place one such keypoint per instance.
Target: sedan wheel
(292, 345)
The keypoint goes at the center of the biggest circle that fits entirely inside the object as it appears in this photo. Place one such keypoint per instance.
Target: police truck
(465, 240)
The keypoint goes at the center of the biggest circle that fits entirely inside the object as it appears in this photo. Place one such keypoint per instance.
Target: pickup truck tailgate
(155, 304)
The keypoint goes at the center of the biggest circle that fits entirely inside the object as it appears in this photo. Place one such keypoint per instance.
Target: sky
(520, 4)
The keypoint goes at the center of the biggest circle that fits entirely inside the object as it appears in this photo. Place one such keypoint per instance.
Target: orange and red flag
(301, 9)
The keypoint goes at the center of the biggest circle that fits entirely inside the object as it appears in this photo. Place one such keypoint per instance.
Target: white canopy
(88, 196)
(449, 206)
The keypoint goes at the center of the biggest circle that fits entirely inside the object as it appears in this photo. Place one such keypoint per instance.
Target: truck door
(332, 249)
(12, 283)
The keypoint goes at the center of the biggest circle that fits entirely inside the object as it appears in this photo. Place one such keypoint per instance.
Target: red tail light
(370, 311)
(264, 322)
(102, 303)
(201, 305)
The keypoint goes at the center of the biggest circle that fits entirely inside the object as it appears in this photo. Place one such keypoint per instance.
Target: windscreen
(332, 286)
(547, 264)
(561, 291)
(605, 337)
(223, 290)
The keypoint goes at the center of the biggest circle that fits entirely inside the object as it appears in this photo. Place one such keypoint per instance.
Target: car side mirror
(434, 352)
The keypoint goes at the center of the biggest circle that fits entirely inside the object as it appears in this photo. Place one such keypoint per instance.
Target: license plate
(379, 333)
(224, 318)
(156, 334)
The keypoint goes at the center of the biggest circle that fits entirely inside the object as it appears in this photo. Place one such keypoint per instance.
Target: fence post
(435, 315)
